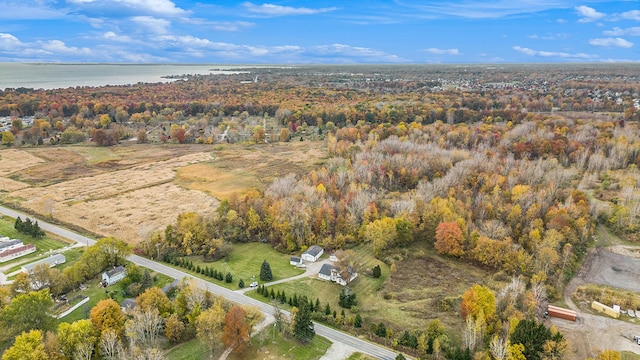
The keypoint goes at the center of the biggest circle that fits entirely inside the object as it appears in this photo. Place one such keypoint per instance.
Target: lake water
(55, 76)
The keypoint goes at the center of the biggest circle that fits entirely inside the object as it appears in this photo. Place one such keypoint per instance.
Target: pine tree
(302, 325)
(265, 271)
(228, 278)
(241, 284)
(357, 322)
(327, 309)
(377, 271)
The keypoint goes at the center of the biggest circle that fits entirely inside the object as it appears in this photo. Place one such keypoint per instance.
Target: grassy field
(190, 350)
(360, 356)
(267, 345)
(404, 299)
(130, 190)
(245, 261)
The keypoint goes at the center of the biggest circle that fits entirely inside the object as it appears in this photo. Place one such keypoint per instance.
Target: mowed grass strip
(245, 262)
(270, 345)
(95, 154)
(191, 350)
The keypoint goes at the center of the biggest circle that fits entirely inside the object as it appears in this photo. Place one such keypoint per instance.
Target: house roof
(128, 303)
(6, 244)
(9, 252)
(53, 259)
(314, 251)
(295, 258)
(326, 269)
(115, 271)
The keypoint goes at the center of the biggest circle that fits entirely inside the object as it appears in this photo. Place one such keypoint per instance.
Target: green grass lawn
(365, 287)
(244, 263)
(360, 356)
(267, 345)
(190, 350)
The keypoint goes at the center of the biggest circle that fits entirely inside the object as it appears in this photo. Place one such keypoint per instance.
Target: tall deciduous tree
(75, 336)
(449, 239)
(28, 346)
(155, 298)
(209, 325)
(26, 312)
(235, 333)
(107, 315)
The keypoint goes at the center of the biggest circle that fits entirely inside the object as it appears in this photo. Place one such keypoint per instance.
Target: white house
(313, 253)
(295, 260)
(332, 273)
(52, 261)
(11, 249)
(113, 276)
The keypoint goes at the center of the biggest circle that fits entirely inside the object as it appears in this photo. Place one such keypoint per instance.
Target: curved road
(237, 297)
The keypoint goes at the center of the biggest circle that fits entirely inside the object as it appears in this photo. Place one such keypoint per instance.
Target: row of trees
(28, 227)
(110, 333)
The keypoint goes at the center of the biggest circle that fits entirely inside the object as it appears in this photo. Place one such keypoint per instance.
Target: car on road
(253, 284)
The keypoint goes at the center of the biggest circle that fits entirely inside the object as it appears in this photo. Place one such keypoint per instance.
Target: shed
(562, 313)
(313, 253)
(295, 260)
(128, 304)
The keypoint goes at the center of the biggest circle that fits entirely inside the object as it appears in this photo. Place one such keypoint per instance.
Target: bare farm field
(128, 191)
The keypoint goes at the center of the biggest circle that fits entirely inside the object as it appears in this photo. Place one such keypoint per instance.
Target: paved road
(324, 331)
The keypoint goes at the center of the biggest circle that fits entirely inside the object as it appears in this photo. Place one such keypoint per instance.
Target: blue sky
(299, 32)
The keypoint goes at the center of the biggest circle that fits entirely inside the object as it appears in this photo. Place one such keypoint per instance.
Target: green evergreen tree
(241, 284)
(302, 325)
(357, 322)
(265, 271)
(377, 271)
(228, 278)
(327, 309)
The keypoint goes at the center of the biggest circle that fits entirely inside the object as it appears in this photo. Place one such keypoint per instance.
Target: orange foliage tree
(236, 329)
(449, 239)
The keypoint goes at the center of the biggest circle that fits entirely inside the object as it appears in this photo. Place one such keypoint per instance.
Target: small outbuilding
(313, 253)
(295, 260)
(113, 276)
(128, 304)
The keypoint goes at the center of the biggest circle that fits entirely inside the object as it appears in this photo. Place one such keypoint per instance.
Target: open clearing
(128, 191)
(616, 266)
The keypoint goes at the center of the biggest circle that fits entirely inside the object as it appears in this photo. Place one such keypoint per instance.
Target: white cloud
(278, 10)
(480, 9)
(111, 36)
(231, 25)
(616, 31)
(25, 11)
(154, 25)
(156, 7)
(588, 14)
(59, 47)
(611, 42)
(8, 42)
(354, 54)
(631, 15)
(443, 51)
(550, 36)
(548, 54)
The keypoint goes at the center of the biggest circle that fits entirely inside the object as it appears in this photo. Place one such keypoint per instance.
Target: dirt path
(591, 333)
